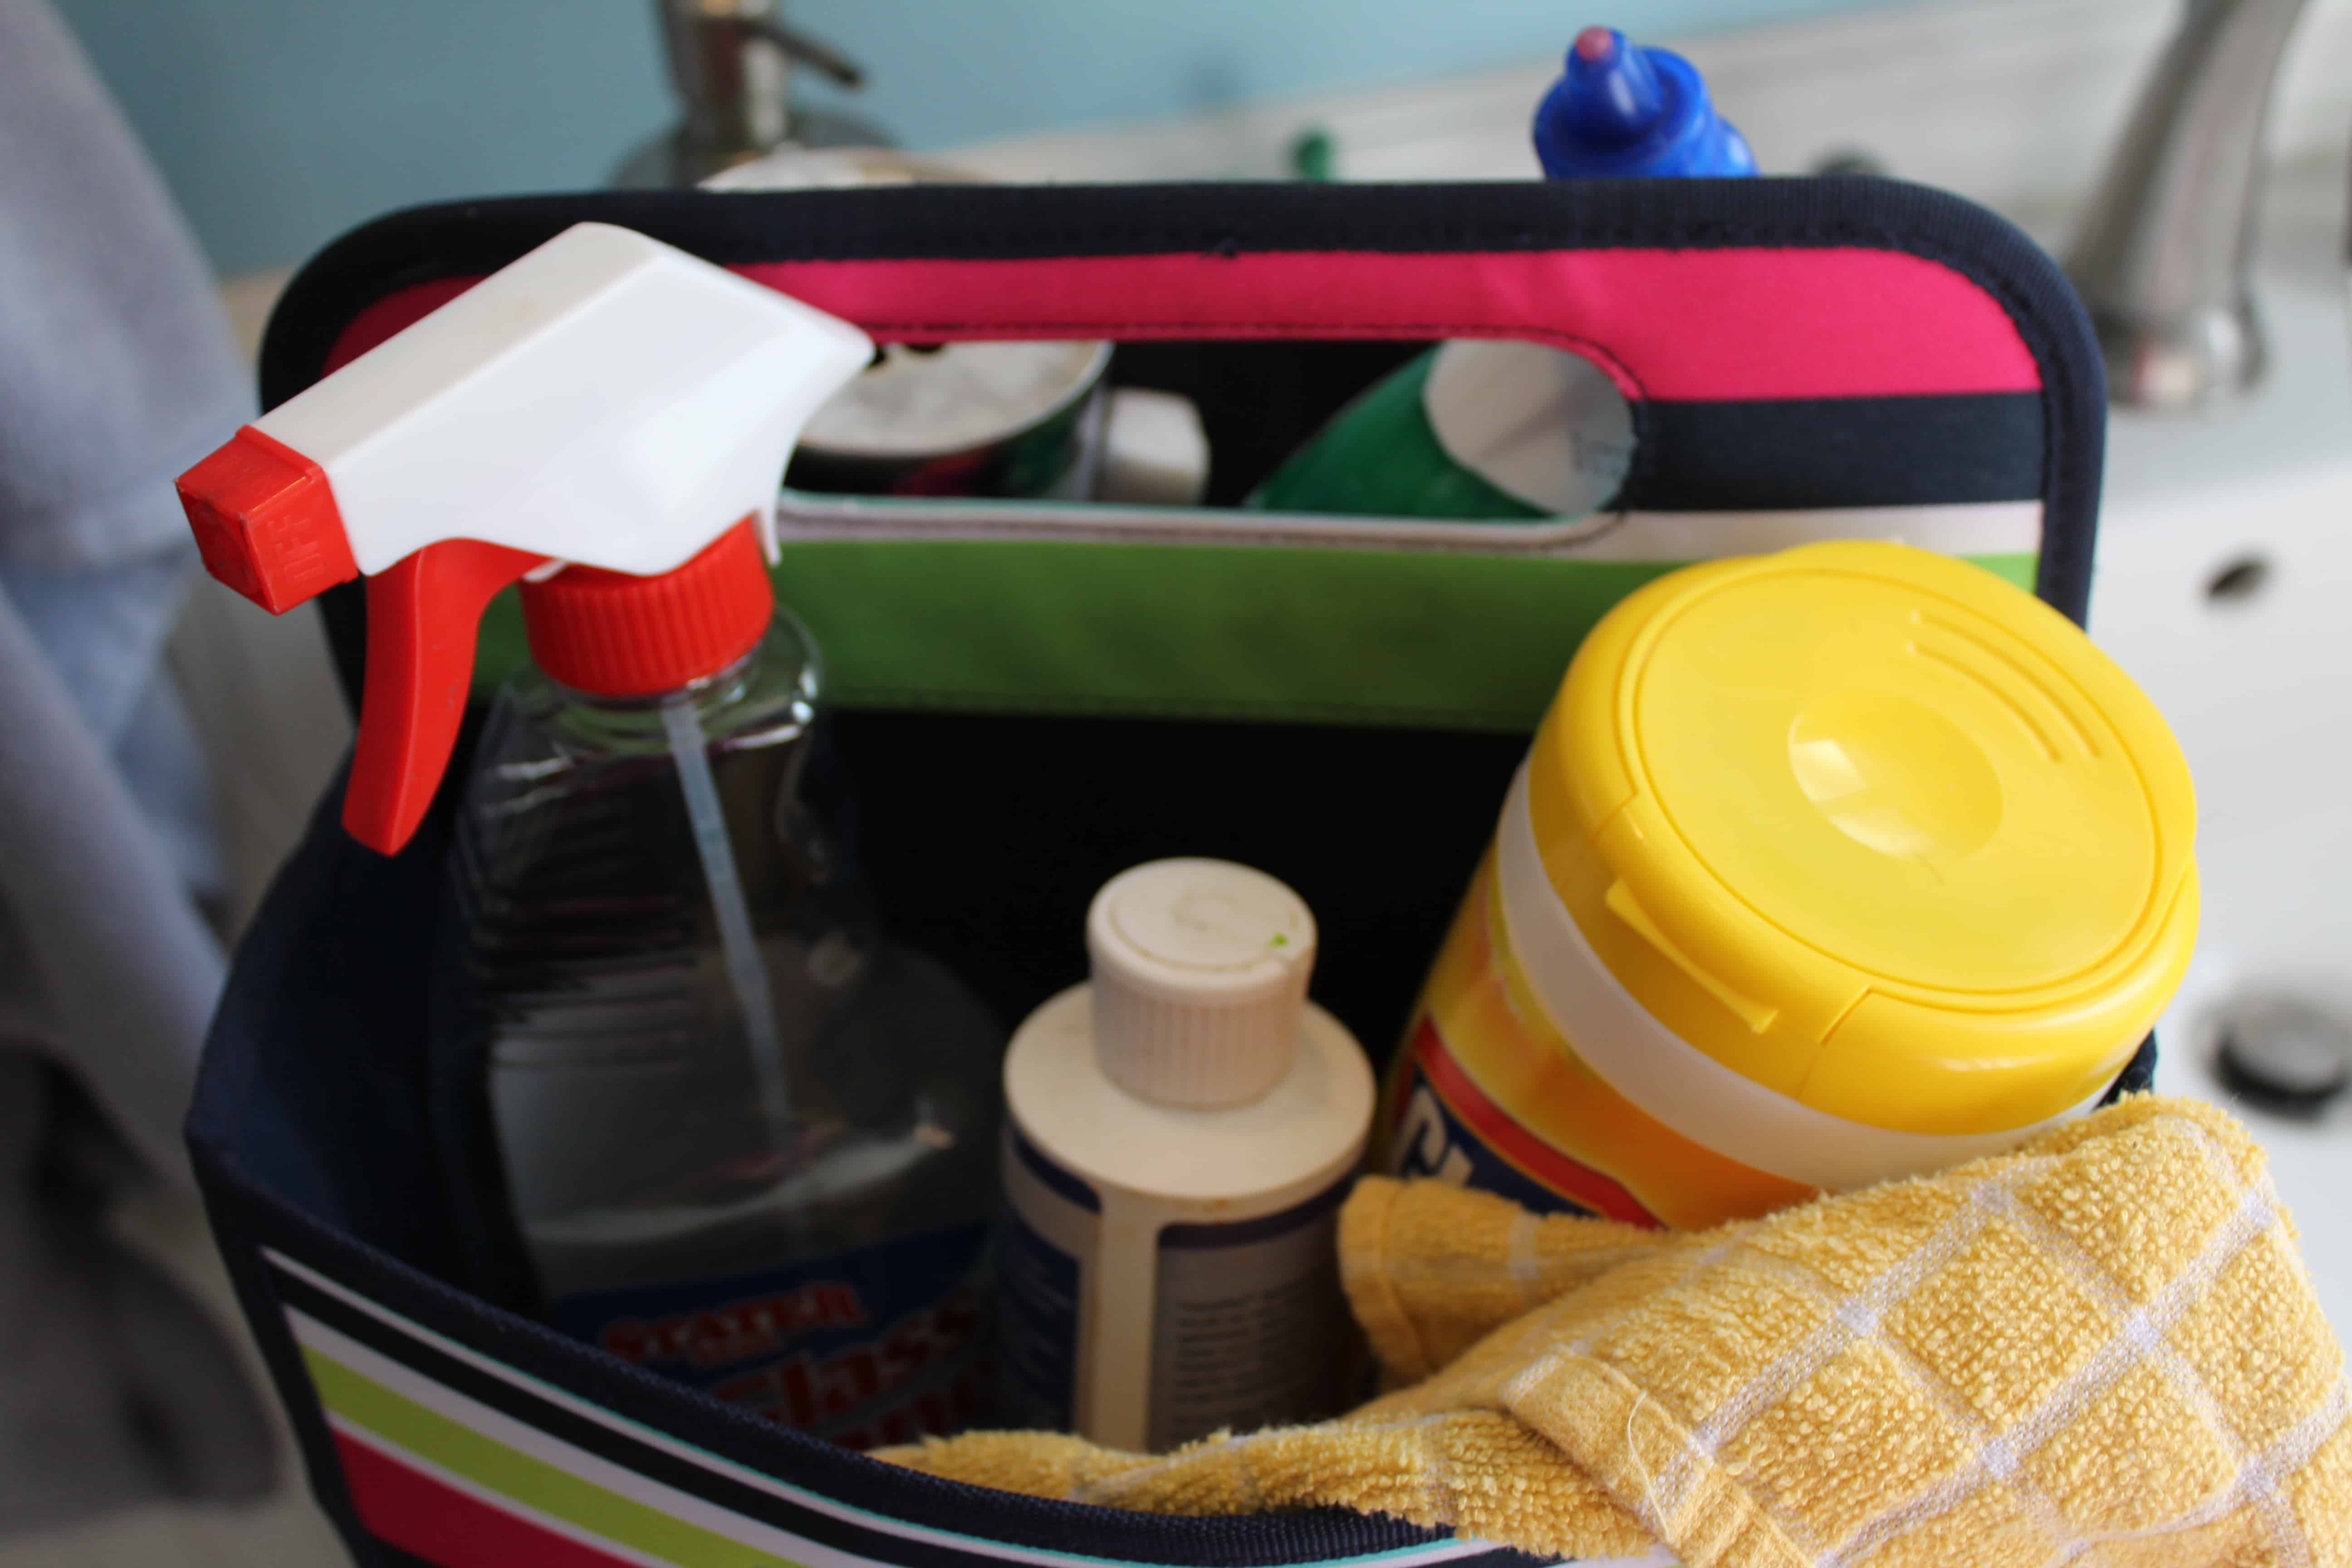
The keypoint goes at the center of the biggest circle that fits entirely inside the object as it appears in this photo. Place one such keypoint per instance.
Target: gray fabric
(111, 970)
(116, 372)
(102, 629)
(109, 305)
(117, 1391)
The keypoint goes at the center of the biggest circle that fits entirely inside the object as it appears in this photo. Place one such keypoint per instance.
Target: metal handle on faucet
(807, 50)
(732, 63)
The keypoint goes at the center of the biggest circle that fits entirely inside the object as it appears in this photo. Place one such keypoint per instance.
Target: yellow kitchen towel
(2102, 1348)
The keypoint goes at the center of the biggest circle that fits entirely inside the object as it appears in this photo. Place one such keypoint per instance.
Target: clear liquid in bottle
(791, 1218)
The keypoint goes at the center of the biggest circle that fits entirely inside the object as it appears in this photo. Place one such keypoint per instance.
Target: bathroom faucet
(2162, 260)
(731, 62)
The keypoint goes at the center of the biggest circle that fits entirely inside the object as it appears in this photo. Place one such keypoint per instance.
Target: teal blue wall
(281, 123)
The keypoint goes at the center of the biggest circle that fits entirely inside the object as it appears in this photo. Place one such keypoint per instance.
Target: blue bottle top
(1623, 111)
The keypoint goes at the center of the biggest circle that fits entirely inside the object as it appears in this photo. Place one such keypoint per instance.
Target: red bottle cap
(618, 636)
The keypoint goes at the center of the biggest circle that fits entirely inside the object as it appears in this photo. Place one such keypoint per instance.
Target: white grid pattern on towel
(1521, 1257)
(1856, 1316)
(2184, 1380)
(2136, 1335)
(1534, 1372)
(1948, 1401)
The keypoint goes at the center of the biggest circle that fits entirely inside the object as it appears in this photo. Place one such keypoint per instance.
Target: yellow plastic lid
(1875, 829)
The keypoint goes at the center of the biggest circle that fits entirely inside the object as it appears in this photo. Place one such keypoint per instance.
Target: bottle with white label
(1181, 1131)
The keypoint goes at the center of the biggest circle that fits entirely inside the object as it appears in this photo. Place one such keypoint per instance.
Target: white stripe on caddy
(1955, 528)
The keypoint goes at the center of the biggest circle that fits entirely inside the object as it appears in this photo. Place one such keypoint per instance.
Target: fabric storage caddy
(1032, 695)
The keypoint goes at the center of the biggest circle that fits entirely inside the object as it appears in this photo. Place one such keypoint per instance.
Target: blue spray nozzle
(1621, 110)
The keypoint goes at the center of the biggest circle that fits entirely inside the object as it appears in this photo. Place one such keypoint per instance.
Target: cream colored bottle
(1181, 1132)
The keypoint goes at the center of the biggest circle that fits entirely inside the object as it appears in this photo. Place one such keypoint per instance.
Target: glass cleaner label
(869, 1347)
(1443, 1125)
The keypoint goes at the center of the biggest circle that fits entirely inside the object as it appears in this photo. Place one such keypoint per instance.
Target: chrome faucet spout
(2163, 258)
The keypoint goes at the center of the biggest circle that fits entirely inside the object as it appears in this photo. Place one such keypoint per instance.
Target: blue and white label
(1219, 1322)
(1049, 1223)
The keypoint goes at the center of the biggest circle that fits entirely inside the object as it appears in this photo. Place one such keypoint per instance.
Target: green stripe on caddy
(1266, 633)
(502, 1473)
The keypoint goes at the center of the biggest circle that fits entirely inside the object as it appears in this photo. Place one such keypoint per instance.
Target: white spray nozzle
(607, 400)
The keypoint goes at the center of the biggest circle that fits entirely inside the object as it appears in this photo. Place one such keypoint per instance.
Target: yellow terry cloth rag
(2103, 1347)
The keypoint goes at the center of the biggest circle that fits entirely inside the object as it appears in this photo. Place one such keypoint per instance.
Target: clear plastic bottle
(803, 1235)
(687, 1105)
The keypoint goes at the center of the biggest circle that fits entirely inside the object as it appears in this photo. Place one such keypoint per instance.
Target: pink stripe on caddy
(430, 1520)
(1687, 325)
(1683, 324)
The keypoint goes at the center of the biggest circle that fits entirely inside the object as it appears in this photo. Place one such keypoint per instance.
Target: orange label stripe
(1542, 1163)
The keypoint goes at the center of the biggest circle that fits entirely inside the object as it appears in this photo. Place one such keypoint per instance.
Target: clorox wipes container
(1825, 867)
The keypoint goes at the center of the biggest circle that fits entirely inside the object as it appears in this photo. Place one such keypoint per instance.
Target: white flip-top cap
(607, 400)
(1200, 980)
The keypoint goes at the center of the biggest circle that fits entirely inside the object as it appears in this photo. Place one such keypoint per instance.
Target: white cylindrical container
(1181, 1132)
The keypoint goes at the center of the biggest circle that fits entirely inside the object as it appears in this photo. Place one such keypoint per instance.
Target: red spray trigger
(423, 616)
(266, 522)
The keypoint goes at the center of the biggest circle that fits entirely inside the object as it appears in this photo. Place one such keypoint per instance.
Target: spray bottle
(735, 1138)
(1502, 429)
